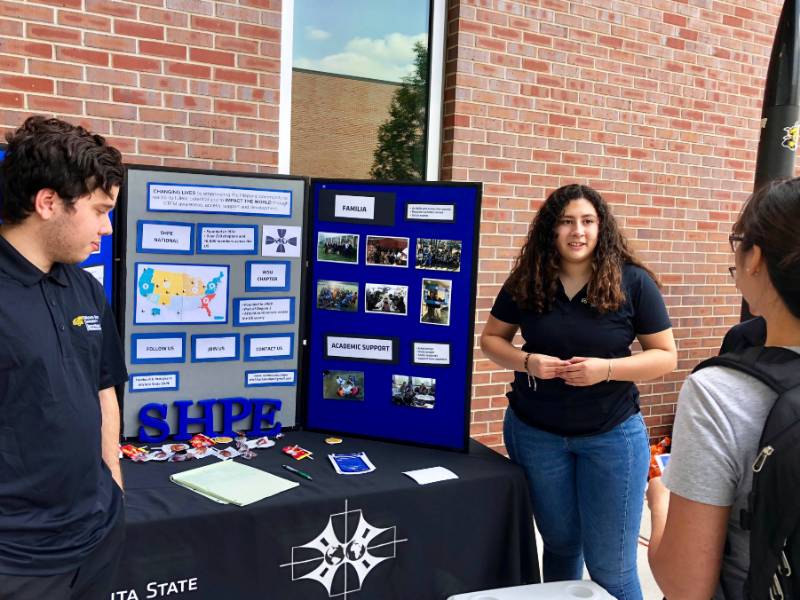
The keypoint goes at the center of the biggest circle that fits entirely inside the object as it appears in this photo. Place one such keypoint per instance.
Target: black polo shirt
(573, 328)
(58, 347)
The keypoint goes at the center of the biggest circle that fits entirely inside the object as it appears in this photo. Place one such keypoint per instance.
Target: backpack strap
(779, 368)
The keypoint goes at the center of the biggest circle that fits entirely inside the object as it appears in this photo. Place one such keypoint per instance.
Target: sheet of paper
(431, 475)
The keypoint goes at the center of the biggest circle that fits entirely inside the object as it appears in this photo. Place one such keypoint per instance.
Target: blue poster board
(390, 310)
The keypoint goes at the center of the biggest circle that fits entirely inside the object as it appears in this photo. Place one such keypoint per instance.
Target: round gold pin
(333, 440)
(223, 439)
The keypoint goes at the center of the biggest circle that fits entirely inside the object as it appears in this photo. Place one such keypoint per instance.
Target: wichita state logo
(91, 322)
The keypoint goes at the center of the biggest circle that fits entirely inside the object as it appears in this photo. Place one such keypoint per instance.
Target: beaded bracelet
(531, 378)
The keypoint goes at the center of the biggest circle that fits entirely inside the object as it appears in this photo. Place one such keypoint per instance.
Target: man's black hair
(48, 153)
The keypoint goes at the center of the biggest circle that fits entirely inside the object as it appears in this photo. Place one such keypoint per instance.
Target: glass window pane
(360, 88)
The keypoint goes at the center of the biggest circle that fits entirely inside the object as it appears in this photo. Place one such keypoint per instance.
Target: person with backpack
(737, 431)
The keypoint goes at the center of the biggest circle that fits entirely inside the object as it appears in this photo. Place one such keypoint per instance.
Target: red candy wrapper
(296, 452)
(133, 452)
(661, 447)
(201, 441)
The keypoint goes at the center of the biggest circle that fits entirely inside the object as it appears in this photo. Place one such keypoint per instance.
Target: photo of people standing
(337, 247)
(438, 255)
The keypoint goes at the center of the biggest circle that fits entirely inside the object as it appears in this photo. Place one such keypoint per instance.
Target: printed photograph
(386, 299)
(417, 392)
(387, 251)
(343, 385)
(438, 255)
(435, 305)
(337, 247)
(337, 295)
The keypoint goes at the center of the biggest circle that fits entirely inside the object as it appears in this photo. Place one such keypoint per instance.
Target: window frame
(437, 34)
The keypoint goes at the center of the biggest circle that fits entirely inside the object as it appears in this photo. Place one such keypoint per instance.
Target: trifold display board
(391, 310)
(209, 303)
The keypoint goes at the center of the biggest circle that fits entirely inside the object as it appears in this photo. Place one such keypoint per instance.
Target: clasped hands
(577, 371)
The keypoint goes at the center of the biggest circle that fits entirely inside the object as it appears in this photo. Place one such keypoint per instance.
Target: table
(376, 536)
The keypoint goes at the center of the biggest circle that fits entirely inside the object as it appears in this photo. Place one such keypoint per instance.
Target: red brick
(127, 96)
(26, 11)
(234, 76)
(138, 30)
(76, 4)
(164, 17)
(85, 91)
(187, 70)
(111, 8)
(110, 42)
(135, 63)
(160, 148)
(84, 21)
(215, 25)
(80, 55)
(164, 84)
(159, 115)
(259, 32)
(14, 63)
(11, 100)
(233, 107)
(211, 152)
(54, 104)
(225, 59)
(173, 51)
(26, 84)
(234, 44)
(53, 34)
(26, 48)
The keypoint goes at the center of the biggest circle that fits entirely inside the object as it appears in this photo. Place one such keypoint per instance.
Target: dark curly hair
(770, 219)
(51, 153)
(534, 279)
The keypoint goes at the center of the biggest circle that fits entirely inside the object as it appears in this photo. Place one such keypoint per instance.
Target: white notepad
(233, 482)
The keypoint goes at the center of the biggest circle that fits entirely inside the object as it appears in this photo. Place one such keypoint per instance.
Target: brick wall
(335, 122)
(655, 103)
(186, 83)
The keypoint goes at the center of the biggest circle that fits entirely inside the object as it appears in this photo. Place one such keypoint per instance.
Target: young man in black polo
(61, 512)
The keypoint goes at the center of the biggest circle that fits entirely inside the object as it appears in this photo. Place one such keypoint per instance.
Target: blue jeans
(587, 494)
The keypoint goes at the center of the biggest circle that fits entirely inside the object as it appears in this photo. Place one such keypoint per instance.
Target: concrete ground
(650, 589)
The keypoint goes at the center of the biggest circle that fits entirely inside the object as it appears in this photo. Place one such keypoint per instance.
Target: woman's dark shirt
(574, 328)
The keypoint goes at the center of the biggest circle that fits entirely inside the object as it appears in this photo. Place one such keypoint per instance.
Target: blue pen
(297, 472)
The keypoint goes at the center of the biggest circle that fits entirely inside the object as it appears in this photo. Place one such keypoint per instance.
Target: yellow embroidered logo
(790, 139)
(91, 322)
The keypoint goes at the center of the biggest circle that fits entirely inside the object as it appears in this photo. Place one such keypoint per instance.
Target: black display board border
(310, 263)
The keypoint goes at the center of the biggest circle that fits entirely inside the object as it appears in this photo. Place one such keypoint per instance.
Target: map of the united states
(166, 295)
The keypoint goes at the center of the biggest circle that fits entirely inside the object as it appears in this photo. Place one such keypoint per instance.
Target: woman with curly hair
(580, 297)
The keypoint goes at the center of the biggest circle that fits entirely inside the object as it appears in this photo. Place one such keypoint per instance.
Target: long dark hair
(533, 280)
(770, 219)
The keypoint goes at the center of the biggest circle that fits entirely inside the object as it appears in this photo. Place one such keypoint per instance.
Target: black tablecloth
(376, 536)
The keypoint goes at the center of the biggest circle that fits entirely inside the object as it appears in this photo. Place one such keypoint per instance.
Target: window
(363, 74)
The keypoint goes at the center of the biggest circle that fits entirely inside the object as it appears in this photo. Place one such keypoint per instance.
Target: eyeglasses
(732, 271)
(735, 240)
